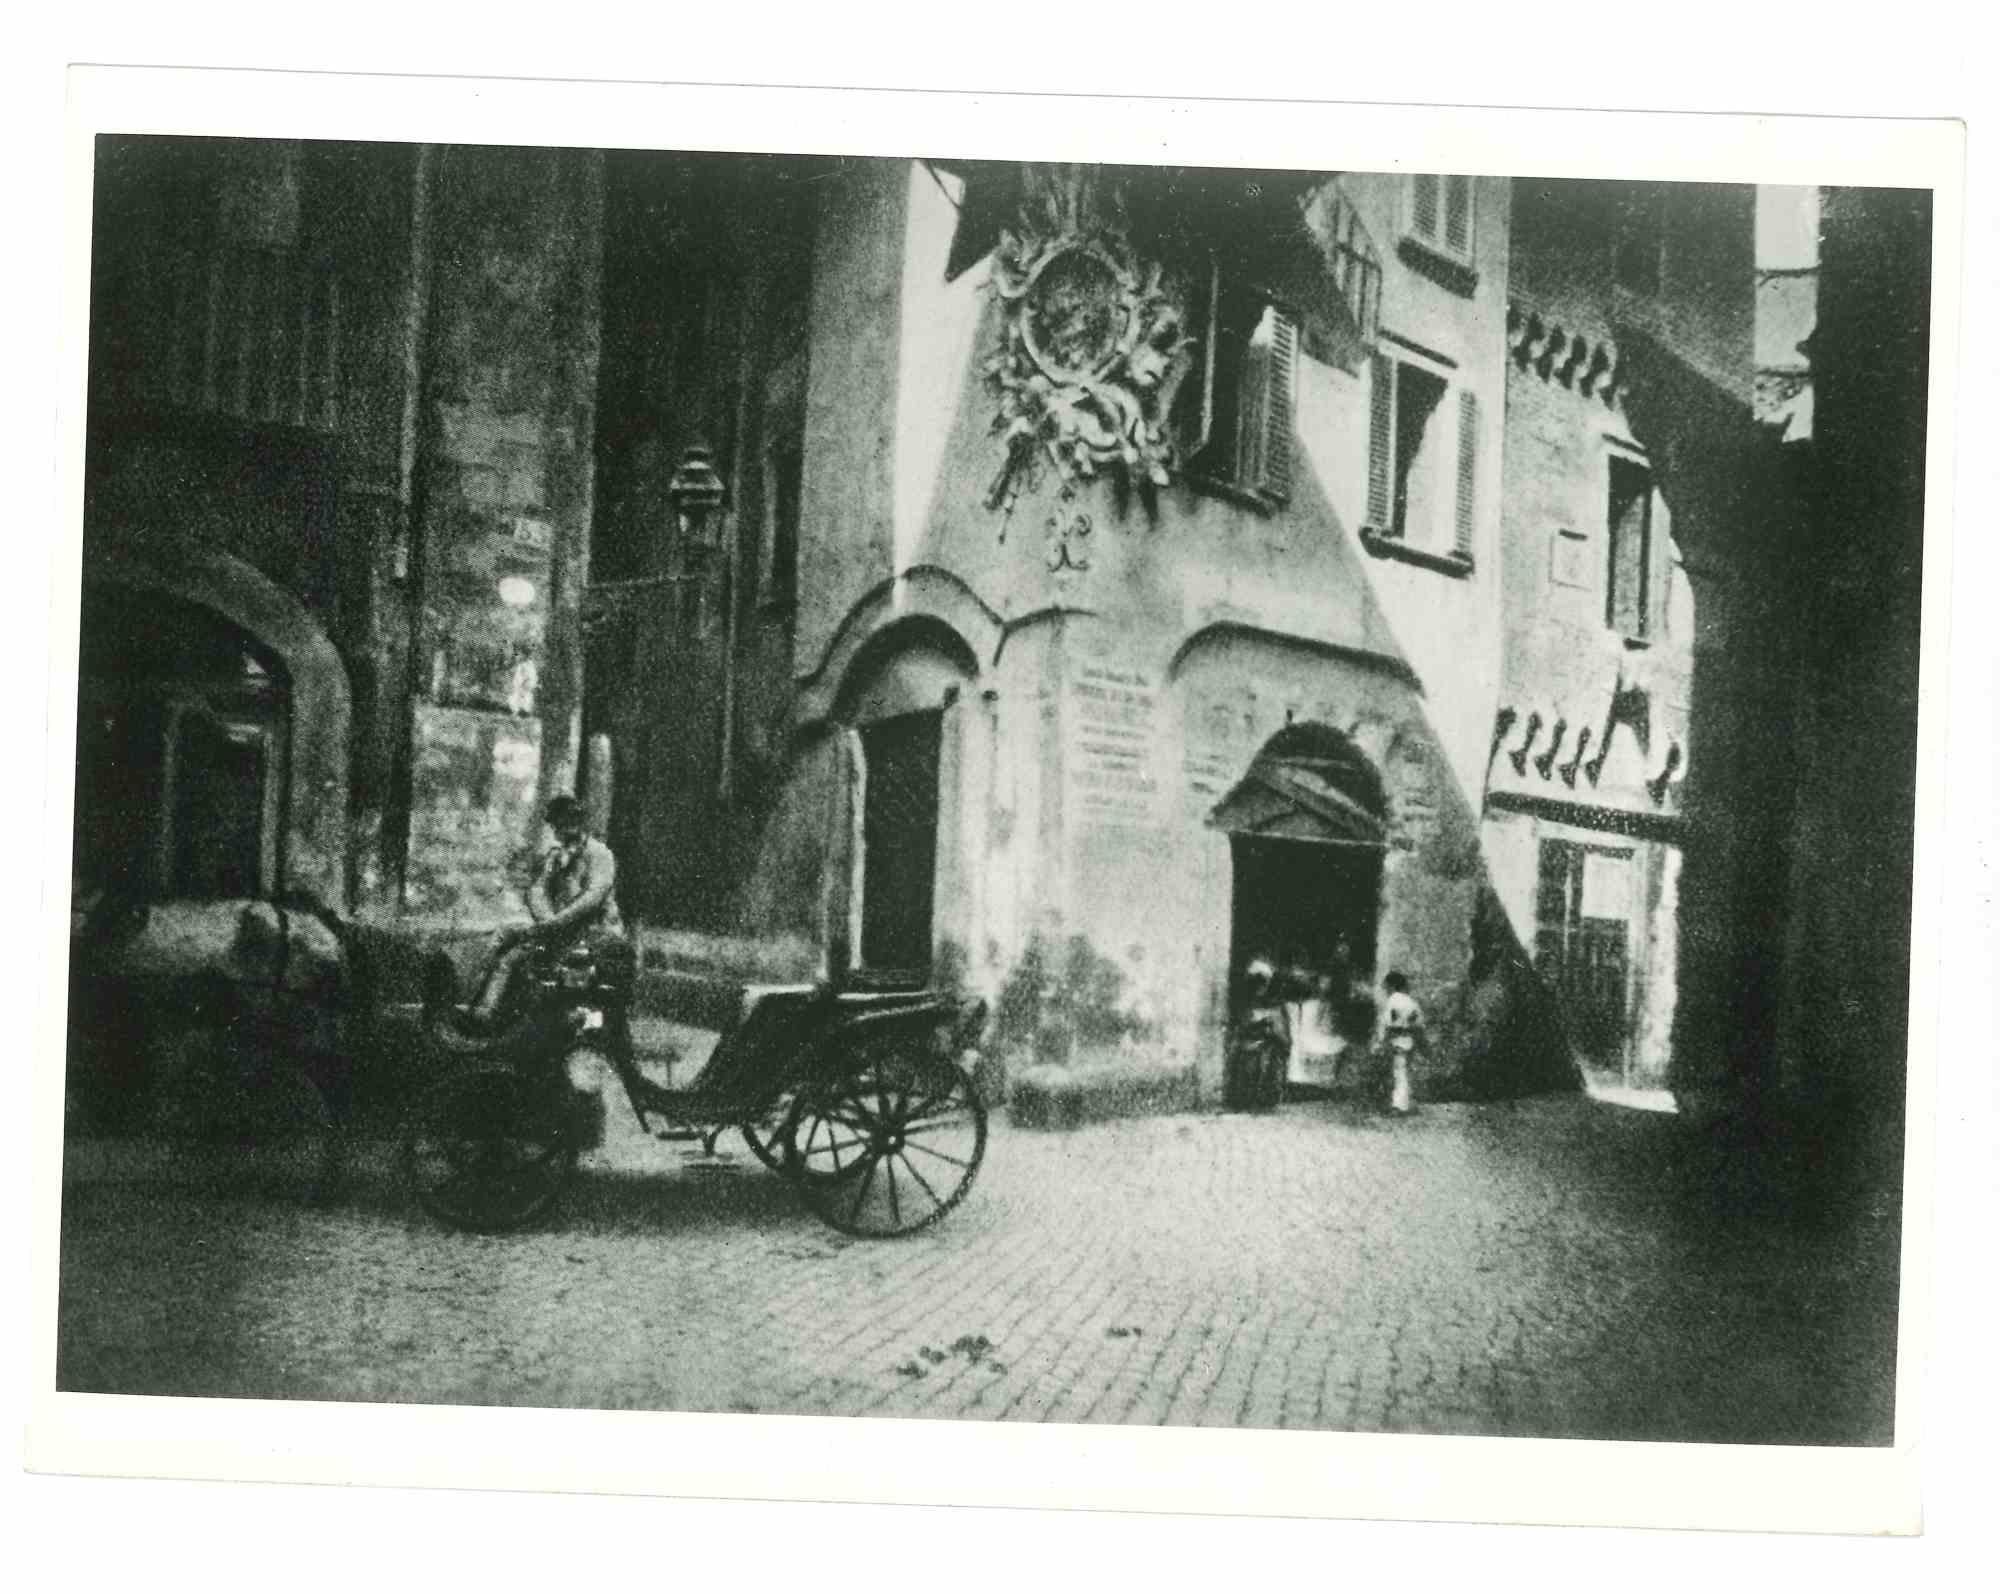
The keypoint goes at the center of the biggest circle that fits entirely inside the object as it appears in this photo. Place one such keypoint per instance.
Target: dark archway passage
(183, 733)
(1307, 831)
(1304, 905)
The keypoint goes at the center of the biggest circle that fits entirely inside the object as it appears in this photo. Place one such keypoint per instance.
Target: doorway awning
(1295, 800)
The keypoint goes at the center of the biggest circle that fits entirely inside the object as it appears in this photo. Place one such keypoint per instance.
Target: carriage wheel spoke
(931, 1151)
(888, 1114)
(936, 1199)
(834, 1147)
(861, 1191)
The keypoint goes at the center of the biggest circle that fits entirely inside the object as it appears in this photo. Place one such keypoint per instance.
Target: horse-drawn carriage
(860, 1098)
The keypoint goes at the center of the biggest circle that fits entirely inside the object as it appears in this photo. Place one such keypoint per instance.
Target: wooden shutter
(1468, 473)
(1660, 540)
(1625, 607)
(1195, 425)
(1458, 216)
(1381, 443)
(1264, 428)
(1424, 208)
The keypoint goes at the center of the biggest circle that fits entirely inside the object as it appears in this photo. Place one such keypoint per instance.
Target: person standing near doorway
(1402, 1033)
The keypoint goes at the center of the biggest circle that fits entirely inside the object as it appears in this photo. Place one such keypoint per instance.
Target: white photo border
(1049, 1466)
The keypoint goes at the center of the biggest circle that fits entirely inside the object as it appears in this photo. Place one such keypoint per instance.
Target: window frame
(1432, 252)
(1450, 454)
(1648, 608)
(1213, 462)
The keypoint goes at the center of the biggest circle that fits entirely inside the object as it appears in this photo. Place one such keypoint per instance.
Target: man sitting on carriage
(572, 903)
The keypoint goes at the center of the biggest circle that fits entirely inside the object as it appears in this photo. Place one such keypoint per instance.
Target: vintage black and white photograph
(1019, 791)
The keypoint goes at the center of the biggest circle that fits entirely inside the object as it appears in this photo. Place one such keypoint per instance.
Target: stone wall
(507, 420)
(1854, 620)
(1606, 738)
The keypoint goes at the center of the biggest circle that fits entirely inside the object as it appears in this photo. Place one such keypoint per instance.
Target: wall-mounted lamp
(696, 492)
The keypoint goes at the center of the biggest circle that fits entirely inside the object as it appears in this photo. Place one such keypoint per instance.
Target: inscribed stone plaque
(1569, 559)
(1113, 736)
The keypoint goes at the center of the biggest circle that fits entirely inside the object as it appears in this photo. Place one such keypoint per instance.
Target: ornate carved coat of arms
(1092, 343)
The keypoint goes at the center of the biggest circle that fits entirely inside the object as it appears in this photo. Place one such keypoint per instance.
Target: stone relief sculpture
(1092, 343)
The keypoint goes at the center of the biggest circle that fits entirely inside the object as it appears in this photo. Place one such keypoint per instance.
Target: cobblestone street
(1557, 1267)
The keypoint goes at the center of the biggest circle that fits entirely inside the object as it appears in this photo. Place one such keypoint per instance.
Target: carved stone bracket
(1656, 788)
(1588, 366)
(1629, 708)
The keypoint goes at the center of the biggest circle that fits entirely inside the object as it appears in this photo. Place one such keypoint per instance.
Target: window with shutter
(1468, 472)
(1414, 510)
(1236, 410)
(1424, 208)
(1422, 470)
(1458, 216)
(1440, 217)
(1381, 442)
(1629, 515)
(1264, 420)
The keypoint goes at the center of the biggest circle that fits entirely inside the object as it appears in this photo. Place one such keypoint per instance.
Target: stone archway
(312, 842)
(899, 708)
(1308, 830)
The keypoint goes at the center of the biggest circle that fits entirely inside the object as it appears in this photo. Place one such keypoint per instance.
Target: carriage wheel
(485, 1151)
(888, 1148)
(766, 1137)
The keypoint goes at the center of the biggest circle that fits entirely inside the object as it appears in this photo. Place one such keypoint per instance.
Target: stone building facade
(338, 496)
(1584, 827)
(1070, 582)
(1091, 737)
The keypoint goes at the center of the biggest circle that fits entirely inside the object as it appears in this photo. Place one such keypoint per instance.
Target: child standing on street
(1402, 1032)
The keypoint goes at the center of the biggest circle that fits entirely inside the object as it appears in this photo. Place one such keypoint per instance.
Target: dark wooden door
(220, 771)
(1583, 940)
(899, 843)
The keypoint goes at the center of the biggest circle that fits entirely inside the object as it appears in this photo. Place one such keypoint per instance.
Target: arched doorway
(224, 770)
(897, 705)
(1307, 829)
(183, 723)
